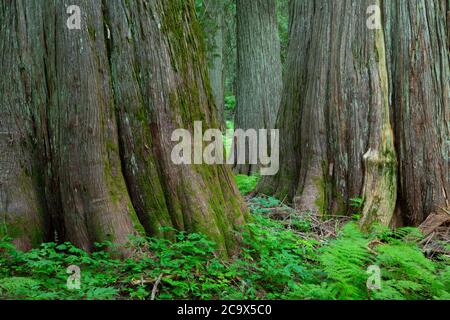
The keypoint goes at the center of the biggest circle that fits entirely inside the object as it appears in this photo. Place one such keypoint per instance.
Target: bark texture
(301, 120)
(337, 141)
(21, 211)
(259, 73)
(446, 8)
(214, 31)
(374, 86)
(421, 104)
(88, 117)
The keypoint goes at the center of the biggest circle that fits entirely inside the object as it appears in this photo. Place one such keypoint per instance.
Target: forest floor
(285, 254)
(435, 230)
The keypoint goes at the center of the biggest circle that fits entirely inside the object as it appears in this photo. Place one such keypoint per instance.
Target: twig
(445, 210)
(429, 239)
(155, 287)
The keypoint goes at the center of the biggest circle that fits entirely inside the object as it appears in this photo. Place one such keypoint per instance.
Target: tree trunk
(259, 72)
(337, 140)
(421, 104)
(446, 8)
(349, 76)
(214, 31)
(361, 153)
(90, 114)
(22, 215)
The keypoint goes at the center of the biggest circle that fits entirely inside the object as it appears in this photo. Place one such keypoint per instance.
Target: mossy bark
(380, 163)
(419, 73)
(335, 110)
(103, 103)
(21, 211)
(384, 97)
(214, 25)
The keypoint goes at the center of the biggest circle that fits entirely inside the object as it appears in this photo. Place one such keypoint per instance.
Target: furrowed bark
(380, 181)
(85, 160)
(358, 116)
(301, 118)
(165, 91)
(342, 115)
(311, 191)
(446, 10)
(214, 32)
(91, 113)
(259, 74)
(421, 103)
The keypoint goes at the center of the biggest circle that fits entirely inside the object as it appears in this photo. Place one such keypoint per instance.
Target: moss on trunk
(113, 93)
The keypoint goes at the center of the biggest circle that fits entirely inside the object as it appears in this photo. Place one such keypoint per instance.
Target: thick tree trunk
(339, 129)
(361, 153)
(421, 104)
(22, 215)
(214, 31)
(101, 104)
(359, 72)
(165, 90)
(301, 118)
(84, 155)
(259, 72)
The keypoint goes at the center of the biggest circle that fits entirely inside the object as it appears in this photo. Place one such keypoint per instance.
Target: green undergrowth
(246, 184)
(278, 260)
(230, 103)
(228, 137)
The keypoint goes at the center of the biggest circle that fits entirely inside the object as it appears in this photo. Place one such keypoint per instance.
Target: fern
(17, 287)
(246, 184)
(344, 264)
(276, 262)
(407, 272)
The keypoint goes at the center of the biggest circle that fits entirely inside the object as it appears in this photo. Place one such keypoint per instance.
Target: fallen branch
(155, 287)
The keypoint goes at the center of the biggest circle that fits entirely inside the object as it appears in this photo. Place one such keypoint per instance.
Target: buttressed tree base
(86, 119)
(365, 111)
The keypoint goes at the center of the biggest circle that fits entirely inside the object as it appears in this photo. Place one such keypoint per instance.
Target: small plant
(263, 204)
(357, 204)
(406, 274)
(230, 103)
(228, 137)
(246, 184)
(277, 261)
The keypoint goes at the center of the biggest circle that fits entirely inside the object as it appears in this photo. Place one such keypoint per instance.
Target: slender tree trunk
(214, 31)
(259, 72)
(301, 117)
(95, 109)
